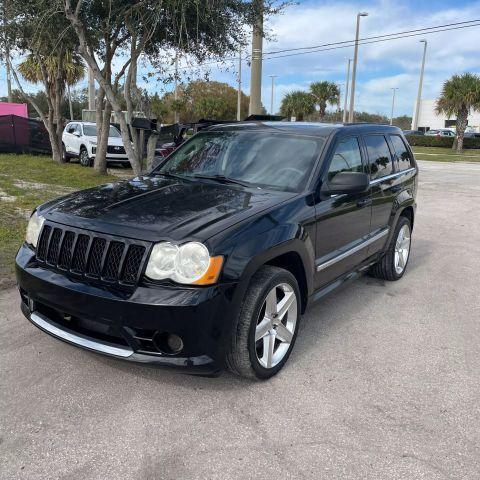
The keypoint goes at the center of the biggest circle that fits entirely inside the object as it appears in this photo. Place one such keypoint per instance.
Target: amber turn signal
(212, 273)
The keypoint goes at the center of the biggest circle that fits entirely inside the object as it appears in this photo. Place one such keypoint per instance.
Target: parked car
(442, 132)
(210, 260)
(413, 132)
(79, 139)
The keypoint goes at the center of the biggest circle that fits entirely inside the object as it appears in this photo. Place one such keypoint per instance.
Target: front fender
(260, 249)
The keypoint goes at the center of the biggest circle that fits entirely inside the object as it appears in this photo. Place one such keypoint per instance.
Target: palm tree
(325, 93)
(460, 95)
(298, 104)
(55, 72)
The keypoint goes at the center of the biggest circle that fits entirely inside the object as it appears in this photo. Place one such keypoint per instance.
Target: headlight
(93, 143)
(190, 263)
(33, 229)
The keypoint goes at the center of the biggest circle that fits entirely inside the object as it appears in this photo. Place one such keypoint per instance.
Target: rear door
(343, 221)
(383, 185)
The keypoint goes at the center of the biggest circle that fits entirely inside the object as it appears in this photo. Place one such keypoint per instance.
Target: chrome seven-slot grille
(94, 256)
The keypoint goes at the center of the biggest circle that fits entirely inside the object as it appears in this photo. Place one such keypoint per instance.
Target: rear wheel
(267, 326)
(84, 158)
(393, 264)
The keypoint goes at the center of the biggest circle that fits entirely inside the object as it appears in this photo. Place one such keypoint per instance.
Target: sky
(381, 66)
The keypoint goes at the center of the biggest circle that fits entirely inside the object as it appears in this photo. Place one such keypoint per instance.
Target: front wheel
(84, 158)
(267, 325)
(393, 264)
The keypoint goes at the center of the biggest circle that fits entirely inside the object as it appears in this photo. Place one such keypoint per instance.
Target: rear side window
(403, 155)
(379, 156)
(346, 158)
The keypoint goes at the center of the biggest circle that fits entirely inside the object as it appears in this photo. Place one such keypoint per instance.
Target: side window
(346, 158)
(379, 156)
(71, 128)
(78, 129)
(403, 155)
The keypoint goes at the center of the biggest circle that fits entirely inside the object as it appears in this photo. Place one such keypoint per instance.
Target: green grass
(440, 154)
(26, 182)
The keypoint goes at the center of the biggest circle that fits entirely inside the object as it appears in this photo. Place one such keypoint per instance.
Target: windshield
(91, 131)
(267, 159)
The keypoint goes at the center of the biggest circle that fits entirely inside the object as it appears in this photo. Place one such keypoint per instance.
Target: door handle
(363, 202)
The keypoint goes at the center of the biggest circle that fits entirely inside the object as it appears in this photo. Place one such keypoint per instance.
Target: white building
(428, 119)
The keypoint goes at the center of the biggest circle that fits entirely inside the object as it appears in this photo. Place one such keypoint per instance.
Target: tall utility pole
(273, 77)
(393, 104)
(239, 89)
(354, 72)
(175, 94)
(345, 114)
(91, 90)
(255, 106)
(420, 84)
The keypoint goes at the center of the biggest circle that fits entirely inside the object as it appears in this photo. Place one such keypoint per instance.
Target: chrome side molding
(392, 176)
(353, 250)
(42, 322)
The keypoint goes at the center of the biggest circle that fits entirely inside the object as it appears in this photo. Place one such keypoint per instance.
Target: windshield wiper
(171, 175)
(222, 179)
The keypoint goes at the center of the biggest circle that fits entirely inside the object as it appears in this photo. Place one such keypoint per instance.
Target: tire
(85, 160)
(65, 157)
(388, 267)
(253, 359)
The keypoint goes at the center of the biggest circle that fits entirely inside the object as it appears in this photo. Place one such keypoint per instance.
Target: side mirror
(76, 133)
(346, 183)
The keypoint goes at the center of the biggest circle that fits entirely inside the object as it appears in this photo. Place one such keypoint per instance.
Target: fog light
(174, 343)
(168, 343)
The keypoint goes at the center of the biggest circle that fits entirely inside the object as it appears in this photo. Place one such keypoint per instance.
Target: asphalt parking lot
(383, 383)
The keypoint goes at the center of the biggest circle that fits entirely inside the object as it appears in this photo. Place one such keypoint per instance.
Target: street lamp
(344, 119)
(354, 72)
(393, 104)
(420, 84)
(273, 77)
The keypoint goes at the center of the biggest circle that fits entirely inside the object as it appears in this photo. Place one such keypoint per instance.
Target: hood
(115, 141)
(158, 208)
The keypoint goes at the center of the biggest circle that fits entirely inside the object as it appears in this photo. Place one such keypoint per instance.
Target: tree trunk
(151, 146)
(462, 122)
(103, 113)
(106, 85)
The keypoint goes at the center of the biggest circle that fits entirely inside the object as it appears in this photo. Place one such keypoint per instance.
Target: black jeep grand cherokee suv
(209, 261)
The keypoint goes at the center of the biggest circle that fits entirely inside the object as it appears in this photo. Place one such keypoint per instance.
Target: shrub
(446, 142)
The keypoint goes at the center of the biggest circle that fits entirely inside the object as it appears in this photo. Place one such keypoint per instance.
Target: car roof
(308, 128)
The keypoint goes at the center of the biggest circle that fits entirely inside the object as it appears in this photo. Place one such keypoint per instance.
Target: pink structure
(19, 109)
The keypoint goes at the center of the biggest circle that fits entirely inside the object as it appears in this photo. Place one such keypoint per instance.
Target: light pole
(255, 105)
(420, 84)
(354, 72)
(273, 77)
(393, 104)
(346, 92)
(239, 92)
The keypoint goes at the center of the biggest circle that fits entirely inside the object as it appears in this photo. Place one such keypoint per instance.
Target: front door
(343, 221)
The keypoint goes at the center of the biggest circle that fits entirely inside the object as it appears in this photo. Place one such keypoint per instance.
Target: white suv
(79, 139)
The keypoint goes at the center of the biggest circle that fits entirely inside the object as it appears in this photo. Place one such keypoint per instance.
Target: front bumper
(127, 324)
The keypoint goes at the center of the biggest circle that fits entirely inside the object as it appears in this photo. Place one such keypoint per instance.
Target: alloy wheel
(84, 160)
(275, 328)
(402, 249)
